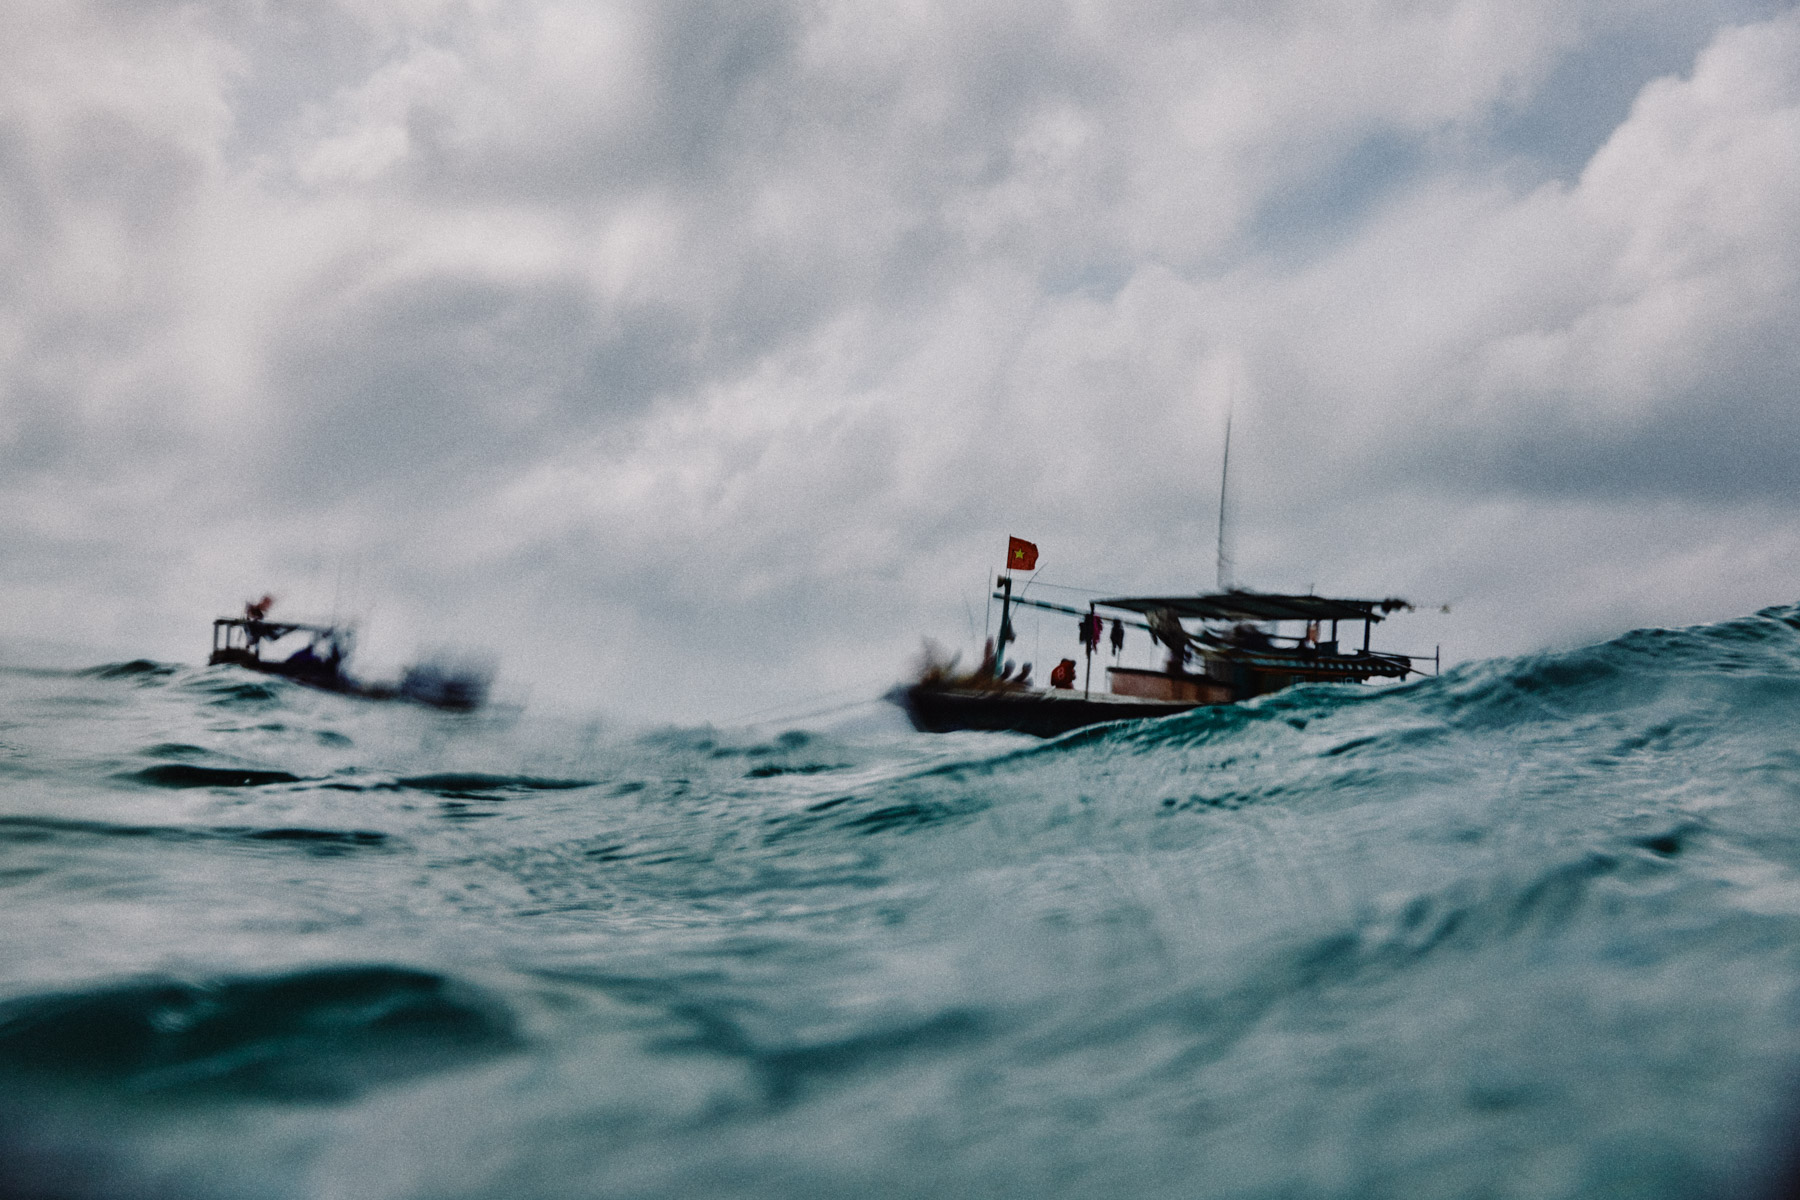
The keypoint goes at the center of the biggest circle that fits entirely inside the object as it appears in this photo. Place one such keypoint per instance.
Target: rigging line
(779, 708)
(1037, 637)
(829, 710)
(1070, 587)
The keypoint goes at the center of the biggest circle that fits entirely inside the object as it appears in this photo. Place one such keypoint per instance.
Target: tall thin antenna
(1224, 578)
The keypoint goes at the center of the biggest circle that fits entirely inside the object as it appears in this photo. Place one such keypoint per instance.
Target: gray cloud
(439, 385)
(710, 350)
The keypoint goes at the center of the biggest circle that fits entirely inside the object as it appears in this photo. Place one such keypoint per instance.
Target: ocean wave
(137, 668)
(187, 775)
(325, 1034)
(466, 784)
(231, 689)
(1527, 927)
(30, 829)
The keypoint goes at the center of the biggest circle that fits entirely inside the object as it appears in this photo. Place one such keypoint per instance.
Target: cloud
(709, 350)
(1623, 336)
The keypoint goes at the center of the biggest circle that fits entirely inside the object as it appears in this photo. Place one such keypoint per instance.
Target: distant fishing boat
(316, 655)
(1241, 644)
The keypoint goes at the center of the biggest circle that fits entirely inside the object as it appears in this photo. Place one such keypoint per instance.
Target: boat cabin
(1252, 643)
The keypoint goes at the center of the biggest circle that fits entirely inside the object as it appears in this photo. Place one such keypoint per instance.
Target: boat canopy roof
(1259, 606)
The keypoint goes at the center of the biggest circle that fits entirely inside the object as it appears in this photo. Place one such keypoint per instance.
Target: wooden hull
(329, 678)
(1160, 685)
(1041, 713)
(315, 674)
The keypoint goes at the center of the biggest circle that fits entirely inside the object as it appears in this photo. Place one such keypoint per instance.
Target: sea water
(1529, 929)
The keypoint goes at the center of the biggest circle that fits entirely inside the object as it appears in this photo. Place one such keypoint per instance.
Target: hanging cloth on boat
(1165, 627)
(1118, 635)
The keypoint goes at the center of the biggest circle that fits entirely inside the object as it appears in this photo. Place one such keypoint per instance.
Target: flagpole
(1025, 553)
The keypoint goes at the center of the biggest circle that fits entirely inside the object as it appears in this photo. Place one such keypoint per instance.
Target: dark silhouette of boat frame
(321, 661)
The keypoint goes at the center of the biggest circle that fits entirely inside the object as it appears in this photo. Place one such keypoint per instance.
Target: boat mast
(1224, 561)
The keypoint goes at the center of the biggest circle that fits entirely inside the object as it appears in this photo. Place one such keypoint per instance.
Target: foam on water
(1528, 929)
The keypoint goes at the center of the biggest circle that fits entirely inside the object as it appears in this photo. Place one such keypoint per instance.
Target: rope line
(779, 708)
(822, 712)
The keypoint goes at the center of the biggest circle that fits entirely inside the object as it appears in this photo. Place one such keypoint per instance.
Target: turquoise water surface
(1529, 929)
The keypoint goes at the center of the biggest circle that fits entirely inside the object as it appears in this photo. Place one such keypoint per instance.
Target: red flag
(1021, 555)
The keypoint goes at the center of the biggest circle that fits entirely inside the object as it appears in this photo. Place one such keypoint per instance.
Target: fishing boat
(317, 655)
(1222, 648)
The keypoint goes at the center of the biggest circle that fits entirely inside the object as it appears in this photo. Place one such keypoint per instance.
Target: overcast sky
(699, 356)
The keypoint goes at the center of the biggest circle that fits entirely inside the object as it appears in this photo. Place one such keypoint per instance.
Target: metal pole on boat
(1006, 632)
(1089, 635)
